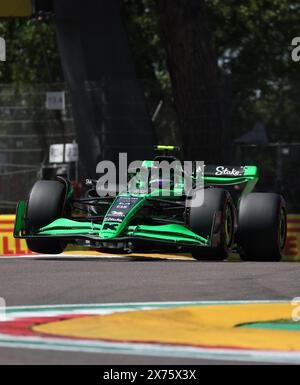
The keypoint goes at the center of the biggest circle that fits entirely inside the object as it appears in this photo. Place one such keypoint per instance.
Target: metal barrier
(27, 129)
(10, 246)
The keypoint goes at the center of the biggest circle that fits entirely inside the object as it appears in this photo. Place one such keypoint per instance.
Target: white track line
(145, 349)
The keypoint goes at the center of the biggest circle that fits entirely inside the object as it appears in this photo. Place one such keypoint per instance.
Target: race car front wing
(170, 236)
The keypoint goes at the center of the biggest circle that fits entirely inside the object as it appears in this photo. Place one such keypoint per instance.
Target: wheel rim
(228, 226)
(282, 229)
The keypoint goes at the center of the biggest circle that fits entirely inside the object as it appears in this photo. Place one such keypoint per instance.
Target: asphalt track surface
(86, 280)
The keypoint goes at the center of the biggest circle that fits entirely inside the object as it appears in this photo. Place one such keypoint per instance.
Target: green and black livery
(232, 218)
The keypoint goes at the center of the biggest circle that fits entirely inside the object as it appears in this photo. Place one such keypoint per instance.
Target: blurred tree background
(251, 41)
(32, 53)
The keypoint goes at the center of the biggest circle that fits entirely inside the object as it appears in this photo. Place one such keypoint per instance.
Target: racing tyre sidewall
(45, 204)
(218, 214)
(262, 227)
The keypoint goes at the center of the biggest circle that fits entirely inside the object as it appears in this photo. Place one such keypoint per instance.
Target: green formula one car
(231, 219)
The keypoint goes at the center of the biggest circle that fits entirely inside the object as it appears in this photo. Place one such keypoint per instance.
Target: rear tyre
(262, 227)
(45, 204)
(218, 210)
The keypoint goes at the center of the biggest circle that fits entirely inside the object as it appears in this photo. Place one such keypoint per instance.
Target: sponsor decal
(9, 245)
(117, 213)
(110, 226)
(114, 219)
(121, 208)
(292, 250)
(221, 170)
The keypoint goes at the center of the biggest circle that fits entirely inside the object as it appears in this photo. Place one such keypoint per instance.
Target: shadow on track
(112, 259)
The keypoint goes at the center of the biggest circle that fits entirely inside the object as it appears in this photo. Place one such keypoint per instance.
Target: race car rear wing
(230, 175)
(244, 178)
(230, 171)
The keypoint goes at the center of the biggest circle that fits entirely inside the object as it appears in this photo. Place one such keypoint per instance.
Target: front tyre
(216, 217)
(45, 204)
(262, 227)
